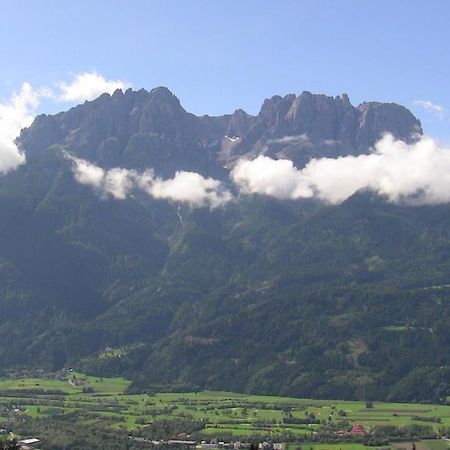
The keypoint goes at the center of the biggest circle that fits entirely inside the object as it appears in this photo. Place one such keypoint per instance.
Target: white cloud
(418, 173)
(301, 139)
(116, 182)
(276, 178)
(191, 188)
(185, 187)
(88, 86)
(291, 140)
(438, 110)
(119, 182)
(19, 111)
(16, 113)
(87, 173)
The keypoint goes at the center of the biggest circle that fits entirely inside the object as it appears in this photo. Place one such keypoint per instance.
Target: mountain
(151, 129)
(259, 295)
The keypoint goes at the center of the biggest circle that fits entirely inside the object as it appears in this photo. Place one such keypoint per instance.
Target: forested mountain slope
(292, 297)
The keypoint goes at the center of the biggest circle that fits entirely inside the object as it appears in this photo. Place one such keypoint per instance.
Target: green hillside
(260, 296)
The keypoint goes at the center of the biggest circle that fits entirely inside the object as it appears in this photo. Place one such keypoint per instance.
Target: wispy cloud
(301, 139)
(427, 105)
(115, 182)
(185, 187)
(291, 140)
(415, 174)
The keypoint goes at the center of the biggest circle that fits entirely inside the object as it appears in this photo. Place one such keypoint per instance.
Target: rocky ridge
(141, 129)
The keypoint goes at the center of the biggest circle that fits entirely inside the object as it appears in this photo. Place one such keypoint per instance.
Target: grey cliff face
(141, 129)
(310, 126)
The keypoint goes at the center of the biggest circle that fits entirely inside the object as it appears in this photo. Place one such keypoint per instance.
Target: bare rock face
(310, 126)
(135, 129)
(141, 129)
(377, 118)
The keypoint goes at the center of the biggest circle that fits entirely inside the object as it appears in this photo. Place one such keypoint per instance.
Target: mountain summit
(140, 129)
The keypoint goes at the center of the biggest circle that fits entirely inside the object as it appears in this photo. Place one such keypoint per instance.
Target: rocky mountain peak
(141, 129)
(376, 118)
(316, 125)
(163, 93)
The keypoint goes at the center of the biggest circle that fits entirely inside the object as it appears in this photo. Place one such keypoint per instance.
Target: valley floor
(36, 407)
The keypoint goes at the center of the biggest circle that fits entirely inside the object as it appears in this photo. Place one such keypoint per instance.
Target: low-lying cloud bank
(416, 174)
(19, 111)
(185, 187)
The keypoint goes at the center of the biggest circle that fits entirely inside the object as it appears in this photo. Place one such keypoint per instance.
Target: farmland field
(105, 400)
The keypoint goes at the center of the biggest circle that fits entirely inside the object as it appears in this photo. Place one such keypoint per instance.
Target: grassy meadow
(224, 413)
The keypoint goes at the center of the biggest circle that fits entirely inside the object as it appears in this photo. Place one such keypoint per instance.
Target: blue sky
(217, 56)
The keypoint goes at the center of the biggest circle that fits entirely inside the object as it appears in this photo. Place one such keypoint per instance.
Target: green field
(223, 413)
